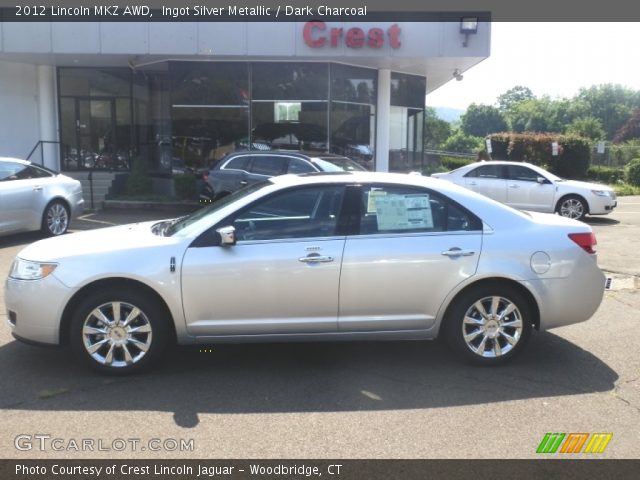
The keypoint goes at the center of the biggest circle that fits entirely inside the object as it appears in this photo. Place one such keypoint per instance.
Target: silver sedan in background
(36, 198)
(342, 256)
(528, 187)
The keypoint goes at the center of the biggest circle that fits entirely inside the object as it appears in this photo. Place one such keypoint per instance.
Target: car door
(21, 191)
(282, 275)
(489, 180)
(231, 175)
(412, 248)
(528, 190)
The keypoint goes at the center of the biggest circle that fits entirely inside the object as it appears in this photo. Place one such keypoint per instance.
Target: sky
(554, 59)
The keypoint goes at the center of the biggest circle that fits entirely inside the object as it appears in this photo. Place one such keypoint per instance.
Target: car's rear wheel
(55, 219)
(118, 332)
(489, 325)
(572, 206)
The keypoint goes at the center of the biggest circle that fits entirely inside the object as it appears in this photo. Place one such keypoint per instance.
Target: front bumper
(602, 205)
(34, 308)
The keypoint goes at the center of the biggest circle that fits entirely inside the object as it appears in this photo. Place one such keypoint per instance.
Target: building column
(48, 119)
(383, 114)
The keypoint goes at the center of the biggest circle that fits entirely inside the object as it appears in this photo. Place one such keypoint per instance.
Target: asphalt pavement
(338, 400)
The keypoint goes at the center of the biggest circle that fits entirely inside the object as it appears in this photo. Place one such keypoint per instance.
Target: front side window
(298, 213)
(399, 209)
(298, 166)
(11, 171)
(517, 172)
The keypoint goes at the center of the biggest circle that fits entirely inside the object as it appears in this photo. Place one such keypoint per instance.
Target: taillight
(205, 177)
(586, 241)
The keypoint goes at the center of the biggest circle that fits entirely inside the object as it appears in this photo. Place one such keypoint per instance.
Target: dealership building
(83, 96)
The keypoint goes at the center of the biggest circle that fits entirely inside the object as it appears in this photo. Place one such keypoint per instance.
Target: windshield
(337, 164)
(183, 222)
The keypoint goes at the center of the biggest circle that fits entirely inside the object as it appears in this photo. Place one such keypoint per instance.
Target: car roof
(15, 160)
(499, 162)
(291, 153)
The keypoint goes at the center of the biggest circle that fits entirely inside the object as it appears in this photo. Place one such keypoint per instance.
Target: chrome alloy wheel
(572, 208)
(117, 334)
(492, 326)
(57, 219)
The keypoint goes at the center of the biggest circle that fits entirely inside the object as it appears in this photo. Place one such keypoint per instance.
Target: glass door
(95, 126)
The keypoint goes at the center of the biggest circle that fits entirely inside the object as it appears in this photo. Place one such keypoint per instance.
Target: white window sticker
(403, 212)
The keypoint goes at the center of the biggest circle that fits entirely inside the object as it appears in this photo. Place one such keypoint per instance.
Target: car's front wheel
(488, 325)
(118, 332)
(572, 206)
(55, 220)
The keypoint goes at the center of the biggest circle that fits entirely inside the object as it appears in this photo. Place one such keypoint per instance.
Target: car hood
(103, 240)
(583, 185)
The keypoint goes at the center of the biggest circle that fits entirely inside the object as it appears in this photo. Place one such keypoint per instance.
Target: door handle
(243, 182)
(456, 252)
(472, 183)
(315, 258)
(37, 188)
(514, 186)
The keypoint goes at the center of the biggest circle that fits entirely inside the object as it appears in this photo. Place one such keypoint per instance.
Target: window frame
(476, 222)
(504, 173)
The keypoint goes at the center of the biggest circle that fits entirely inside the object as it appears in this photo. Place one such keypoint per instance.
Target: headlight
(601, 193)
(26, 270)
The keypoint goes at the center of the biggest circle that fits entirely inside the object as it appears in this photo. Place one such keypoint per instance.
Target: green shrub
(139, 181)
(623, 189)
(572, 160)
(633, 172)
(451, 163)
(185, 185)
(429, 169)
(605, 174)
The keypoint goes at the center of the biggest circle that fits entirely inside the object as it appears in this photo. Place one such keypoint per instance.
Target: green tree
(513, 96)
(630, 130)
(460, 142)
(588, 127)
(532, 115)
(612, 104)
(436, 130)
(481, 120)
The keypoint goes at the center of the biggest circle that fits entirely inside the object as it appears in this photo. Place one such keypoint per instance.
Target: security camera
(457, 75)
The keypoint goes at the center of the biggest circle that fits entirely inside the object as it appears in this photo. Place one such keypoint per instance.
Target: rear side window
(268, 165)
(399, 209)
(487, 171)
(238, 163)
(19, 171)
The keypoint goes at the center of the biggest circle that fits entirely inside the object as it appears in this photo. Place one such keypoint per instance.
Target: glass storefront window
(152, 113)
(406, 122)
(289, 126)
(353, 84)
(201, 136)
(290, 81)
(95, 118)
(209, 83)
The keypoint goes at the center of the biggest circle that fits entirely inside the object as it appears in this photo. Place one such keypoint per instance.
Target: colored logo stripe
(598, 442)
(550, 443)
(574, 442)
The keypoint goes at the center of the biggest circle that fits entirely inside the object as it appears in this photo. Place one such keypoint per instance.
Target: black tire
(55, 219)
(572, 206)
(494, 329)
(143, 347)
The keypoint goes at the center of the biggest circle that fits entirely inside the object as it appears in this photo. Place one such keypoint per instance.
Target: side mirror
(541, 180)
(227, 236)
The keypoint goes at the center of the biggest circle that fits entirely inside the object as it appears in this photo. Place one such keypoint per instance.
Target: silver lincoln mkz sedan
(341, 256)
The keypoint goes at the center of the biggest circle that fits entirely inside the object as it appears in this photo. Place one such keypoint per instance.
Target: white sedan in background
(326, 256)
(36, 198)
(527, 187)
